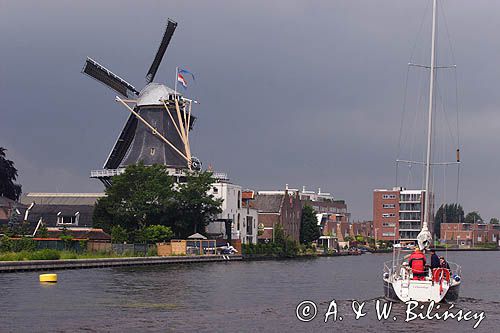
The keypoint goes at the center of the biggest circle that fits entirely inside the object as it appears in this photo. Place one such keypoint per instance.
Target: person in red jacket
(417, 264)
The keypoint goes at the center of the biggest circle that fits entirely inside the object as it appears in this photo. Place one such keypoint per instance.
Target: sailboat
(439, 285)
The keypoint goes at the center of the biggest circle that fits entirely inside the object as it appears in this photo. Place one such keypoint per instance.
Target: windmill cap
(153, 94)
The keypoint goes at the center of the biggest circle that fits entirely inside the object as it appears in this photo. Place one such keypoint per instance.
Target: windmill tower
(157, 130)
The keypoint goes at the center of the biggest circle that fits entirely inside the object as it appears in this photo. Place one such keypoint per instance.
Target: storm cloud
(291, 92)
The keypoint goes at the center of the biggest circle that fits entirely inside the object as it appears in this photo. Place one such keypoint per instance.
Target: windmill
(157, 130)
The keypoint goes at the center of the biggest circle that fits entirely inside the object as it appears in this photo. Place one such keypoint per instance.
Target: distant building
(398, 214)
(7, 206)
(79, 233)
(70, 210)
(363, 228)
(470, 234)
(236, 212)
(332, 216)
(278, 207)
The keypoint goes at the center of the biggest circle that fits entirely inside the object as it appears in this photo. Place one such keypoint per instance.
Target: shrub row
(8, 244)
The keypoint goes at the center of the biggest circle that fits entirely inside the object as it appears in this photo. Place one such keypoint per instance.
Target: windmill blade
(167, 36)
(93, 69)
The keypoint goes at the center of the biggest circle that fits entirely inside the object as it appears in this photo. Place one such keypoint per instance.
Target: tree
(279, 235)
(359, 238)
(494, 220)
(8, 176)
(43, 232)
(448, 213)
(119, 234)
(157, 233)
(146, 195)
(473, 217)
(309, 230)
(194, 208)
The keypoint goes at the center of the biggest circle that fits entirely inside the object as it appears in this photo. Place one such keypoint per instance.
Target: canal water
(235, 297)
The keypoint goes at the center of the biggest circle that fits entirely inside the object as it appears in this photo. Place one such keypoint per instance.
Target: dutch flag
(181, 80)
(180, 77)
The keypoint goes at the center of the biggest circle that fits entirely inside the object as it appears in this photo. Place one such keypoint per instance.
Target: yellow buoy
(48, 278)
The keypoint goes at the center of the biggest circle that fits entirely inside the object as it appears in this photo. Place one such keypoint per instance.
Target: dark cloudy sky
(298, 92)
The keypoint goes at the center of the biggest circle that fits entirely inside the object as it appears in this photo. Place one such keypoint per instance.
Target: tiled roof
(6, 202)
(268, 203)
(49, 214)
(248, 195)
(61, 198)
(80, 233)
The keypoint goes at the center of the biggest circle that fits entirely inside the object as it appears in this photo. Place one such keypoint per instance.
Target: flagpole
(176, 78)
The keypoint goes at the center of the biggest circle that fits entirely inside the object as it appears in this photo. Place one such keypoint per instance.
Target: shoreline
(46, 265)
(59, 264)
(49, 265)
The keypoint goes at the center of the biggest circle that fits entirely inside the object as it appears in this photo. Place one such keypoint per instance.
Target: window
(387, 224)
(413, 216)
(389, 196)
(249, 225)
(388, 215)
(216, 190)
(239, 199)
(410, 206)
(389, 206)
(411, 197)
(67, 219)
(388, 234)
(152, 151)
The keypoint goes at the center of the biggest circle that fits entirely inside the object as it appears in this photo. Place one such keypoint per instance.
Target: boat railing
(390, 267)
(455, 268)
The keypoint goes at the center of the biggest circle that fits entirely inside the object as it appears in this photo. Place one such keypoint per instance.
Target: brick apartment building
(398, 214)
(470, 234)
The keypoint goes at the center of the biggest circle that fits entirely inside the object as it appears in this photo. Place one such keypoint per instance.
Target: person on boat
(435, 262)
(417, 264)
(443, 263)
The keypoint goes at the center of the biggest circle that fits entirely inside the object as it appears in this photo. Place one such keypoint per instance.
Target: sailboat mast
(429, 126)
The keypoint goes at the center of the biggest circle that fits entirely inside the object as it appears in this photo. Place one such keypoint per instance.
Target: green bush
(119, 234)
(17, 245)
(45, 254)
(152, 252)
(6, 244)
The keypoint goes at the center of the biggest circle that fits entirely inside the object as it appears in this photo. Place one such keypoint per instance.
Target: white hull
(399, 284)
(421, 291)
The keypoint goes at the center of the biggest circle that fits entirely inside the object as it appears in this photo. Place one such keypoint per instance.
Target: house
(278, 207)
(70, 210)
(470, 234)
(7, 207)
(79, 233)
(237, 213)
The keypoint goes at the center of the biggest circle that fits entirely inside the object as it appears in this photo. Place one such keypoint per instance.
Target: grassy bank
(49, 254)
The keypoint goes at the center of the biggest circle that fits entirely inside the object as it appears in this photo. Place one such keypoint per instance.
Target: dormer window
(68, 219)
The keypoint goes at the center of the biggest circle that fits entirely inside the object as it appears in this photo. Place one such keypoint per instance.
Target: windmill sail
(122, 144)
(93, 69)
(167, 36)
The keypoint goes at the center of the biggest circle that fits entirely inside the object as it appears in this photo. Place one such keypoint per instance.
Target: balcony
(106, 172)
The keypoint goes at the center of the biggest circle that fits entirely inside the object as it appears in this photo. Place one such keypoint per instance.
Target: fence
(187, 247)
(132, 248)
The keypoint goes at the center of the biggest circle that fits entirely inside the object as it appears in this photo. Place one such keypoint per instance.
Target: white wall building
(244, 219)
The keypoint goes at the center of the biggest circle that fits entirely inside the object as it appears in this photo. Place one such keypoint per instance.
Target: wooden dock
(43, 265)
